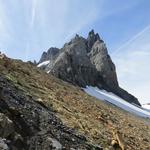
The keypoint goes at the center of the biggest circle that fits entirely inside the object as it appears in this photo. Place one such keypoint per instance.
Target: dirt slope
(100, 122)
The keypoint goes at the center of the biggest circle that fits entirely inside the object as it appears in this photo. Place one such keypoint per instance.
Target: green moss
(12, 78)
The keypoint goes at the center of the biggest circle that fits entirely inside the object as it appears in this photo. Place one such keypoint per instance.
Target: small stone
(6, 126)
(3, 145)
(114, 142)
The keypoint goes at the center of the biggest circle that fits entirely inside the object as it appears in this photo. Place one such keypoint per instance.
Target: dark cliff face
(87, 62)
(49, 55)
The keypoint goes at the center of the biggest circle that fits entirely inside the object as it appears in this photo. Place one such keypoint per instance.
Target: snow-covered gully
(45, 63)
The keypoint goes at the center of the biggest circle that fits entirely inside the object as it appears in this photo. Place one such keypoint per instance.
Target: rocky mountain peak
(85, 62)
(92, 38)
(93, 35)
(49, 55)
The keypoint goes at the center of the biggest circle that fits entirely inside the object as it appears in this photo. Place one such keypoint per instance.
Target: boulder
(6, 126)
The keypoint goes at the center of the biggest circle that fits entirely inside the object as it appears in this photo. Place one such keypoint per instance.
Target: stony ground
(101, 123)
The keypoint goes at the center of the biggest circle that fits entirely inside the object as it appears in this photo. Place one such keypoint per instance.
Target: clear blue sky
(29, 27)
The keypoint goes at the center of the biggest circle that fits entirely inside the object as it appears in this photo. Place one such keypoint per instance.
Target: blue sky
(29, 27)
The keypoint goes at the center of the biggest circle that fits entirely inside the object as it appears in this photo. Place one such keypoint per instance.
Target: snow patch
(116, 100)
(43, 63)
(48, 71)
(146, 107)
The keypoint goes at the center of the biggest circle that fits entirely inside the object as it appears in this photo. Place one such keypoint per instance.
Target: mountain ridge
(85, 61)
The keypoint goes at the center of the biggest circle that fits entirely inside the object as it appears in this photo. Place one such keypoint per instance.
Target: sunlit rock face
(101, 60)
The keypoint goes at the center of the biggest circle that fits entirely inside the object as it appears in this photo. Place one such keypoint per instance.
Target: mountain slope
(23, 83)
(28, 124)
(25, 121)
(85, 62)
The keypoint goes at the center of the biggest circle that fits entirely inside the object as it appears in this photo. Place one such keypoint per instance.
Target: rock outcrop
(92, 38)
(103, 63)
(86, 62)
(49, 55)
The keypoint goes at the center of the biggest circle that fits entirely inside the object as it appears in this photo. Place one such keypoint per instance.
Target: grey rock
(3, 144)
(74, 65)
(92, 38)
(126, 96)
(6, 126)
(103, 63)
(50, 54)
(87, 62)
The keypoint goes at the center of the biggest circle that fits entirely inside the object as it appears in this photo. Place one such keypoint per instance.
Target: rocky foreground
(39, 111)
(27, 123)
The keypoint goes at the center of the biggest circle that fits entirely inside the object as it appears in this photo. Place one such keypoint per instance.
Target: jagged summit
(85, 61)
(52, 52)
(92, 38)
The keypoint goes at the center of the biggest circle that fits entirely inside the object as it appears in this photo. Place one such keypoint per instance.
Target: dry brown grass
(87, 115)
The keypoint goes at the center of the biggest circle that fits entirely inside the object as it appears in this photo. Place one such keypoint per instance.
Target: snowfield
(146, 106)
(114, 99)
(43, 63)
